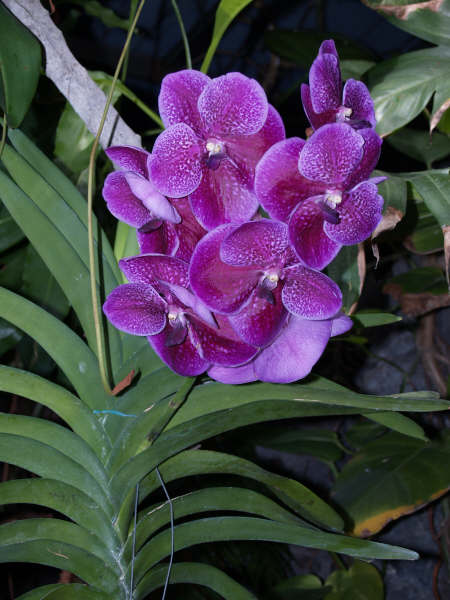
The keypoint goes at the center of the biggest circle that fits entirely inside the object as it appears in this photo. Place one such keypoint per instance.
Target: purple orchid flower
(321, 187)
(249, 273)
(216, 131)
(290, 357)
(324, 100)
(180, 328)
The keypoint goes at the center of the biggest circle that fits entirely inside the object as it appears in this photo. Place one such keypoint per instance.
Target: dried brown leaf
(402, 12)
(415, 305)
(439, 114)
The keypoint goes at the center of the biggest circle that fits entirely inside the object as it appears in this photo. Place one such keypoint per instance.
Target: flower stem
(183, 35)
(94, 298)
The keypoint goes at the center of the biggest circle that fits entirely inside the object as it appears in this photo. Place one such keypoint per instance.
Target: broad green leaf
(434, 188)
(225, 13)
(20, 62)
(391, 477)
(67, 406)
(422, 279)
(306, 587)
(420, 145)
(64, 591)
(45, 461)
(204, 462)
(229, 499)
(62, 545)
(68, 351)
(362, 581)
(427, 236)
(63, 498)
(401, 87)
(215, 529)
(346, 272)
(194, 573)
(10, 233)
(375, 319)
(398, 422)
(393, 190)
(429, 20)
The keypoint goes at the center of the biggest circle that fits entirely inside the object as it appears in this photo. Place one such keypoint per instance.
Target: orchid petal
(190, 300)
(182, 358)
(294, 352)
(311, 244)
(371, 154)
(310, 294)
(129, 158)
(233, 104)
(340, 325)
(178, 98)
(176, 168)
(257, 243)
(121, 201)
(155, 202)
(163, 240)
(278, 184)
(151, 268)
(331, 154)
(233, 375)
(328, 47)
(325, 83)
(316, 119)
(222, 288)
(359, 212)
(136, 308)
(357, 97)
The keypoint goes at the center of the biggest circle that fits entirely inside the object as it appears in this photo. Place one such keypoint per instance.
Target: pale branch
(72, 79)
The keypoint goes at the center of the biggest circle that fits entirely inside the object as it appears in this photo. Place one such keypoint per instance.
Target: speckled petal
(163, 240)
(155, 202)
(357, 97)
(218, 349)
(233, 375)
(325, 83)
(310, 294)
(257, 243)
(359, 212)
(178, 98)
(316, 119)
(340, 325)
(331, 154)
(294, 352)
(183, 358)
(191, 301)
(371, 154)
(222, 288)
(136, 308)
(176, 168)
(259, 322)
(121, 201)
(233, 104)
(328, 47)
(278, 184)
(307, 236)
(150, 268)
(129, 158)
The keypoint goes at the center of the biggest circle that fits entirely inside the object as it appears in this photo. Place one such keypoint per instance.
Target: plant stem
(187, 50)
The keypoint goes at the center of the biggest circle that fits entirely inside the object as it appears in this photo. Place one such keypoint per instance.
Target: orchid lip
(215, 153)
(343, 114)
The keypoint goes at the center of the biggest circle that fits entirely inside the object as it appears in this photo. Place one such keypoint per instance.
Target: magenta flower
(290, 357)
(217, 130)
(158, 304)
(250, 273)
(324, 100)
(320, 187)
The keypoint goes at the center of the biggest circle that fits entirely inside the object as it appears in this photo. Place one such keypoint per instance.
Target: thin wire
(94, 297)
(133, 550)
(172, 537)
(187, 50)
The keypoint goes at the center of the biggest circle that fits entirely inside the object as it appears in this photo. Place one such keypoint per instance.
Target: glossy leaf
(225, 13)
(427, 236)
(125, 242)
(402, 86)
(400, 423)
(420, 145)
(20, 62)
(360, 581)
(62, 591)
(391, 477)
(394, 192)
(375, 319)
(434, 188)
(194, 573)
(10, 233)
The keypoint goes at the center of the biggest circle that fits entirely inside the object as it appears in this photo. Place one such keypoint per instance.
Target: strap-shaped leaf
(207, 500)
(62, 545)
(195, 573)
(66, 405)
(42, 459)
(62, 591)
(68, 350)
(59, 237)
(215, 529)
(63, 498)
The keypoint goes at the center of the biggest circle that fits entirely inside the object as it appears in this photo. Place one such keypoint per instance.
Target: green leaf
(422, 279)
(420, 145)
(65, 499)
(64, 591)
(195, 573)
(375, 319)
(362, 581)
(225, 13)
(345, 272)
(106, 15)
(62, 545)
(429, 20)
(434, 188)
(400, 423)
(427, 236)
(390, 477)
(125, 243)
(215, 529)
(203, 462)
(20, 62)
(306, 587)
(401, 87)
(9, 336)
(10, 233)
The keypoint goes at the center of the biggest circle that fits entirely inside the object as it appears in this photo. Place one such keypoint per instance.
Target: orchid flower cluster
(217, 287)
